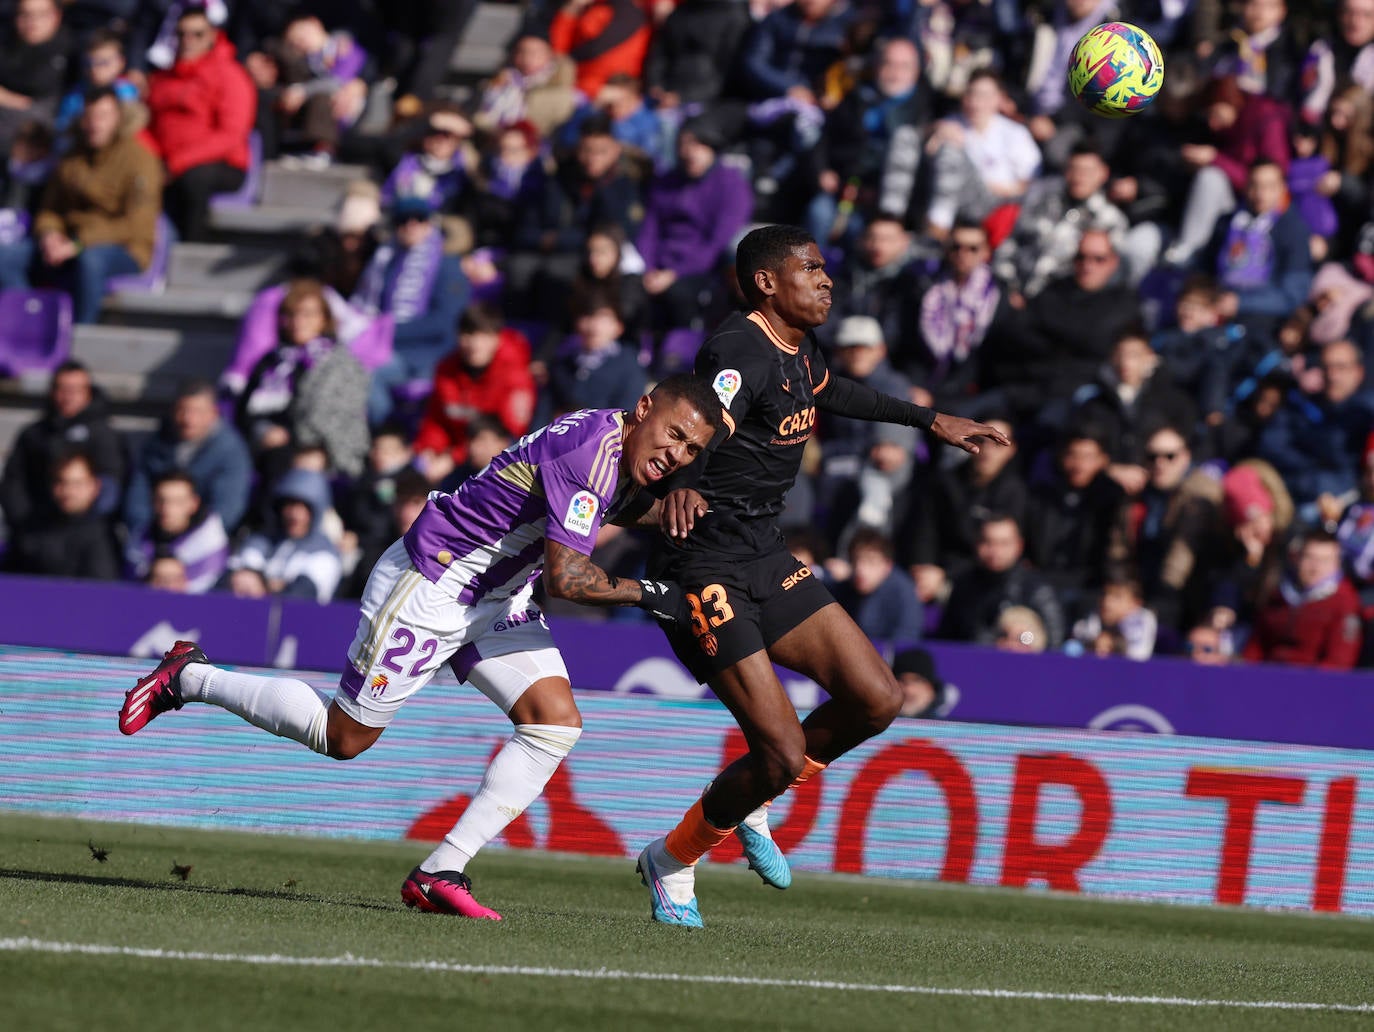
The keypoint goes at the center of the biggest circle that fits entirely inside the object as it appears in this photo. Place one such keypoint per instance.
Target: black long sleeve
(846, 397)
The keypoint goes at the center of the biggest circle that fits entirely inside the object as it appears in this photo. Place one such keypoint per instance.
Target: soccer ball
(1116, 70)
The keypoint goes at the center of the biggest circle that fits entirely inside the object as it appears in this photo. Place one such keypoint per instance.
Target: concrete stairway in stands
(147, 343)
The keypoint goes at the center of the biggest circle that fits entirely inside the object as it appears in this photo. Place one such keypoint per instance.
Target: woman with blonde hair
(309, 391)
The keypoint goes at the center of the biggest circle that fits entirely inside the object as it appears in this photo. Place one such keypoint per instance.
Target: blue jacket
(892, 613)
(221, 468)
(783, 51)
(1291, 277)
(1317, 446)
(437, 326)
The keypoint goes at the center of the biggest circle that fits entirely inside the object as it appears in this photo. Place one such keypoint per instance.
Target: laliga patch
(727, 385)
(581, 513)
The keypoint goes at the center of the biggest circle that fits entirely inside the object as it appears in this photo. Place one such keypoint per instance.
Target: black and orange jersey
(768, 388)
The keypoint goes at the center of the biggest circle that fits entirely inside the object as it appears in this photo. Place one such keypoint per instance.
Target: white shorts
(409, 627)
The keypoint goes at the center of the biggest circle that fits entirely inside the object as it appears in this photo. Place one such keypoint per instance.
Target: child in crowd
(1122, 625)
(105, 65)
(182, 530)
(1203, 351)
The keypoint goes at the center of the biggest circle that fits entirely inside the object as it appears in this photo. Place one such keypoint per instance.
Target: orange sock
(694, 836)
(810, 770)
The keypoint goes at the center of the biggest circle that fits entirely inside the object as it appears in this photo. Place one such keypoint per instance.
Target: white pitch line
(26, 945)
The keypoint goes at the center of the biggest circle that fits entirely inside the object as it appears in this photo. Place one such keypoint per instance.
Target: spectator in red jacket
(603, 37)
(202, 111)
(488, 373)
(1313, 619)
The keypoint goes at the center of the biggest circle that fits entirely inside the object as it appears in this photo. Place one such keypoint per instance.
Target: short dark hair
(1000, 516)
(485, 424)
(767, 248)
(984, 73)
(177, 476)
(75, 453)
(480, 318)
(194, 387)
(597, 124)
(71, 365)
(870, 539)
(595, 299)
(411, 484)
(95, 94)
(1122, 577)
(696, 391)
(391, 428)
(1266, 162)
(101, 38)
(1087, 149)
(1318, 536)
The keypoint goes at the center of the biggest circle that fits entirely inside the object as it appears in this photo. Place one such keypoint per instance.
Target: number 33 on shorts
(710, 609)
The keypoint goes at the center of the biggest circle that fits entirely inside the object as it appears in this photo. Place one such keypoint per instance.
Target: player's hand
(665, 600)
(965, 433)
(680, 512)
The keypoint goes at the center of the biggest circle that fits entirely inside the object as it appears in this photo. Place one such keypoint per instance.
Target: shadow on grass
(13, 874)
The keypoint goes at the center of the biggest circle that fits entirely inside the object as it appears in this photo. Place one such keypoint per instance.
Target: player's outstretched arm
(846, 397)
(568, 574)
(965, 433)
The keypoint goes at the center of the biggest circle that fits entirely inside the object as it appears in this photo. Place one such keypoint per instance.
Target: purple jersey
(559, 483)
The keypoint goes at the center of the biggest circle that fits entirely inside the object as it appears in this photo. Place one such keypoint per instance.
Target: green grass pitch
(271, 932)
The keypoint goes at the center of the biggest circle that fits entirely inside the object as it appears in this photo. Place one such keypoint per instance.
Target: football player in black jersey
(752, 603)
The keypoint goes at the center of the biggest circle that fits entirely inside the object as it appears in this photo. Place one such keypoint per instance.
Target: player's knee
(345, 746)
(883, 702)
(781, 762)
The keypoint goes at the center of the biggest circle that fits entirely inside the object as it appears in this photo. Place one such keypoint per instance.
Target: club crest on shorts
(581, 515)
(727, 384)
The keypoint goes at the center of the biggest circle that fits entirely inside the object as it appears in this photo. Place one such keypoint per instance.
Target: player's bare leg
(777, 755)
(783, 751)
(547, 726)
(830, 648)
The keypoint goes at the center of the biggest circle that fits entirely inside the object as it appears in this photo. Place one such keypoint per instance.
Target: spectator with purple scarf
(184, 529)
(1260, 252)
(438, 170)
(956, 312)
(424, 289)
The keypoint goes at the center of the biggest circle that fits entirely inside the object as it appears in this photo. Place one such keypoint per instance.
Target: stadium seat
(35, 330)
(153, 279)
(246, 196)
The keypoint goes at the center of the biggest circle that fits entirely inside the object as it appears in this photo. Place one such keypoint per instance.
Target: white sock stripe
(27, 945)
(556, 739)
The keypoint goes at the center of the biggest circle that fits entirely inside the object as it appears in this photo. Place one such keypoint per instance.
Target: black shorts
(740, 605)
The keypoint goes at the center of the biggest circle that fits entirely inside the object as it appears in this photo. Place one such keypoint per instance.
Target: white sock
(758, 820)
(678, 880)
(514, 779)
(282, 705)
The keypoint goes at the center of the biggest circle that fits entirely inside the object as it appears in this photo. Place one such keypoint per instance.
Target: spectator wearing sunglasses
(1174, 530)
(201, 110)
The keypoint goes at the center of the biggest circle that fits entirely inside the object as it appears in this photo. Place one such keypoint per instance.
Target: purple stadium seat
(152, 280)
(35, 330)
(246, 196)
(679, 349)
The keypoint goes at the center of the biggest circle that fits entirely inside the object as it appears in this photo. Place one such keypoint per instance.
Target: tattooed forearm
(571, 575)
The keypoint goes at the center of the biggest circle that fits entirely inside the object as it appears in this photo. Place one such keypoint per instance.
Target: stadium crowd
(1172, 314)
